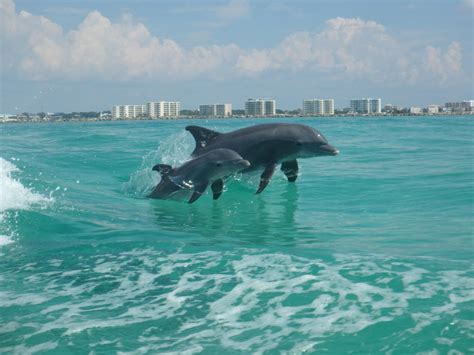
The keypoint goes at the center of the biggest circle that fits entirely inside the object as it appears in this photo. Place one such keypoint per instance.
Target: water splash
(15, 196)
(174, 150)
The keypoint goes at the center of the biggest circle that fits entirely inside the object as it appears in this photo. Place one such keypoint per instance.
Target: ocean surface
(370, 251)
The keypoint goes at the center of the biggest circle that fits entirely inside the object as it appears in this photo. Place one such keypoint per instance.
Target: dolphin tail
(203, 137)
(163, 169)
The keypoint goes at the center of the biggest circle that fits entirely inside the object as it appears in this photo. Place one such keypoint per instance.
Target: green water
(370, 251)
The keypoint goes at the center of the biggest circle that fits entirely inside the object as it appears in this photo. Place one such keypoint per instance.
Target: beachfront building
(318, 107)
(254, 107)
(415, 110)
(171, 108)
(260, 107)
(223, 110)
(389, 108)
(461, 106)
(128, 111)
(207, 110)
(366, 105)
(432, 109)
(162, 109)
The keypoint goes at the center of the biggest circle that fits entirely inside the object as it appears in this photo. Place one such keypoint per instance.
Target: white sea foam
(13, 195)
(5, 239)
(244, 301)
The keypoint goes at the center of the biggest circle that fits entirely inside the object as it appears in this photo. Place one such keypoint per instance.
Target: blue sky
(89, 55)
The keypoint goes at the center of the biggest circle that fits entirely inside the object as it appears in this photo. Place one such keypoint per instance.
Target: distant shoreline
(179, 118)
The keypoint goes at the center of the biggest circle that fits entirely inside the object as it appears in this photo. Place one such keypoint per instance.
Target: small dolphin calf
(196, 174)
(266, 145)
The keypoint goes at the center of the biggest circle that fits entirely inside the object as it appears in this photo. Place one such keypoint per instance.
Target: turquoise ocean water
(370, 251)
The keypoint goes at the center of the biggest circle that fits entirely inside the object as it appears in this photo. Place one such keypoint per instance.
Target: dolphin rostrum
(196, 174)
(266, 145)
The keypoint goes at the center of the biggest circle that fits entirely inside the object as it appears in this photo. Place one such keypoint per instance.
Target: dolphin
(265, 146)
(196, 174)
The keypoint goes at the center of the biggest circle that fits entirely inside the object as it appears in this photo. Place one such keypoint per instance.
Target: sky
(87, 55)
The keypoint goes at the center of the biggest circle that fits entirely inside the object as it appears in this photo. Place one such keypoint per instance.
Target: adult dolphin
(266, 145)
(196, 174)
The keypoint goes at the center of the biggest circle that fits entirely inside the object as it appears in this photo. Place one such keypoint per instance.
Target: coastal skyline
(59, 56)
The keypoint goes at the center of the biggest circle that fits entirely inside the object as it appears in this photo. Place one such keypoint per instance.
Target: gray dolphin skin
(266, 145)
(196, 174)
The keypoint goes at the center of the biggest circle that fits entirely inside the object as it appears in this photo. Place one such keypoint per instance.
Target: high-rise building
(318, 107)
(461, 106)
(270, 108)
(260, 107)
(329, 107)
(216, 110)
(224, 110)
(118, 111)
(207, 110)
(162, 109)
(171, 109)
(128, 111)
(366, 106)
(254, 107)
(153, 109)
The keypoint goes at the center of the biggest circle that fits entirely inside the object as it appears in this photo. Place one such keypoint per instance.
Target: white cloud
(37, 48)
(444, 65)
(468, 3)
(352, 46)
(356, 48)
(98, 48)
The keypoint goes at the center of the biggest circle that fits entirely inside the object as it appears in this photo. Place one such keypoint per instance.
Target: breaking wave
(15, 196)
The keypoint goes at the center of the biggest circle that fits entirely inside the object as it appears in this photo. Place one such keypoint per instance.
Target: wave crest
(14, 195)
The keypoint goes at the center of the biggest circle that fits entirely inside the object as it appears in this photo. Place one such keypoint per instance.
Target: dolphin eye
(218, 165)
(299, 144)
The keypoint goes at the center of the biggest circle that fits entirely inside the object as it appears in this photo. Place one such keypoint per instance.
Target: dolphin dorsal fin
(163, 169)
(203, 137)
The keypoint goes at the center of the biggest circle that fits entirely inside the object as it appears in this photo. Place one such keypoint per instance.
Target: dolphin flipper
(290, 169)
(217, 188)
(198, 191)
(266, 176)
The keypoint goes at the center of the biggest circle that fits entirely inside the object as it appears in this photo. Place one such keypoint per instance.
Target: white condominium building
(162, 109)
(432, 109)
(216, 110)
(366, 106)
(461, 106)
(318, 107)
(207, 110)
(128, 111)
(171, 109)
(224, 110)
(260, 107)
